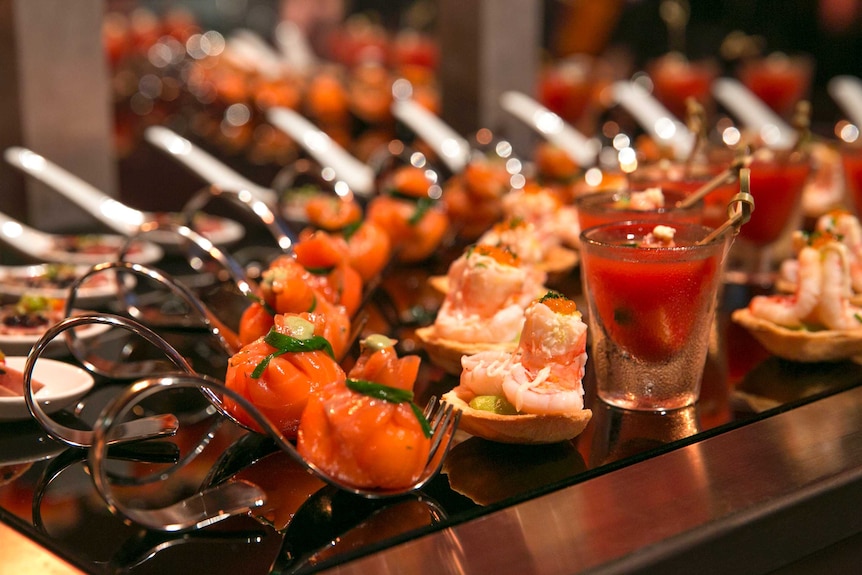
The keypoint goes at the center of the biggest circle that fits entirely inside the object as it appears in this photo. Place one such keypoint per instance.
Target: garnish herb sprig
(392, 395)
(289, 344)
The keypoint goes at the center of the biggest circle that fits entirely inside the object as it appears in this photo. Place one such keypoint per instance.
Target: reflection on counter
(621, 433)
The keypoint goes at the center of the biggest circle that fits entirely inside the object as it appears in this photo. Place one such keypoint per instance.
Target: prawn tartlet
(484, 306)
(818, 322)
(519, 236)
(801, 344)
(534, 394)
(840, 225)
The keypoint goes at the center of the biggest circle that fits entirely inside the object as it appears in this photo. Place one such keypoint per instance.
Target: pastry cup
(447, 353)
(521, 429)
(801, 345)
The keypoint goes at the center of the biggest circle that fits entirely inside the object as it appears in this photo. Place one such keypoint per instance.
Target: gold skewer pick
(728, 175)
(738, 210)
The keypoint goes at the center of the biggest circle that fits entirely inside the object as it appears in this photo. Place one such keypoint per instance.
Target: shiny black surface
(307, 526)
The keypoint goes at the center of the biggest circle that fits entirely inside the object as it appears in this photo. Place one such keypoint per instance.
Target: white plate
(218, 230)
(64, 384)
(21, 344)
(15, 281)
(106, 248)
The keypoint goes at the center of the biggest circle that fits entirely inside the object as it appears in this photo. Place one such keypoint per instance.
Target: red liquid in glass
(780, 82)
(654, 304)
(676, 79)
(777, 186)
(852, 162)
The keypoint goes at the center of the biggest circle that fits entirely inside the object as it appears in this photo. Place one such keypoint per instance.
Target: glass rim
(587, 240)
(591, 200)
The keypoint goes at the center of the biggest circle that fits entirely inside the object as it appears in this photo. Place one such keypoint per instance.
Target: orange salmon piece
(368, 250)
(332, 213)
(413, 241)
(411, 181)
(362, 441)
(282, 391)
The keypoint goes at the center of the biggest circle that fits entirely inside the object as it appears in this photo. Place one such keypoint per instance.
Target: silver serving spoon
(452, 149)
(583, 150)
(116, 215)
(847, 92)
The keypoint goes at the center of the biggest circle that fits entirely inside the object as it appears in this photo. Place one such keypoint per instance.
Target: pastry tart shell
(520, 429)
(801, 345)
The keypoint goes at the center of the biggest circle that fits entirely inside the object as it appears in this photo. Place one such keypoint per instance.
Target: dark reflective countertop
(305, 526)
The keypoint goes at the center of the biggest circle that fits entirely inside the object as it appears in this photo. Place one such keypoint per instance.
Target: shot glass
(685, 178)
(651, 309)
(616, 206)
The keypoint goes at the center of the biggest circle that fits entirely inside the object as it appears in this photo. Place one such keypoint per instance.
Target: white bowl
(64, 384)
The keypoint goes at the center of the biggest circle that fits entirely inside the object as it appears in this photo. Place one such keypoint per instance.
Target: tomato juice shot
(651, 291)
(675, 78)
(851, 161)
(778, 79)
(653, 204)
(688, 177)
(777, 181)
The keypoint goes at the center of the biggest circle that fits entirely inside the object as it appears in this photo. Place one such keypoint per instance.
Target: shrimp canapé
(818, 322)
(842, 226)
(543, 207)
(541, 379)
(366, 431)
(823, 290)
(487, 291)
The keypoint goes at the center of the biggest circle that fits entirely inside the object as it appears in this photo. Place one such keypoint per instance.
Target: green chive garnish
(289, 344)
(392, 395)
(350, 229)
(262, 302)
(422, 206)
(320, 271)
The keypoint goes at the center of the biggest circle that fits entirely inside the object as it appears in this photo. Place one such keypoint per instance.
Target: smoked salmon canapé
(289, 288)
(410, 212)
(326, 258)
(365, 430)
(278, 373)
(818, 322)
(473, 197)
(488, 290)
(535, 393)
(369, 248)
